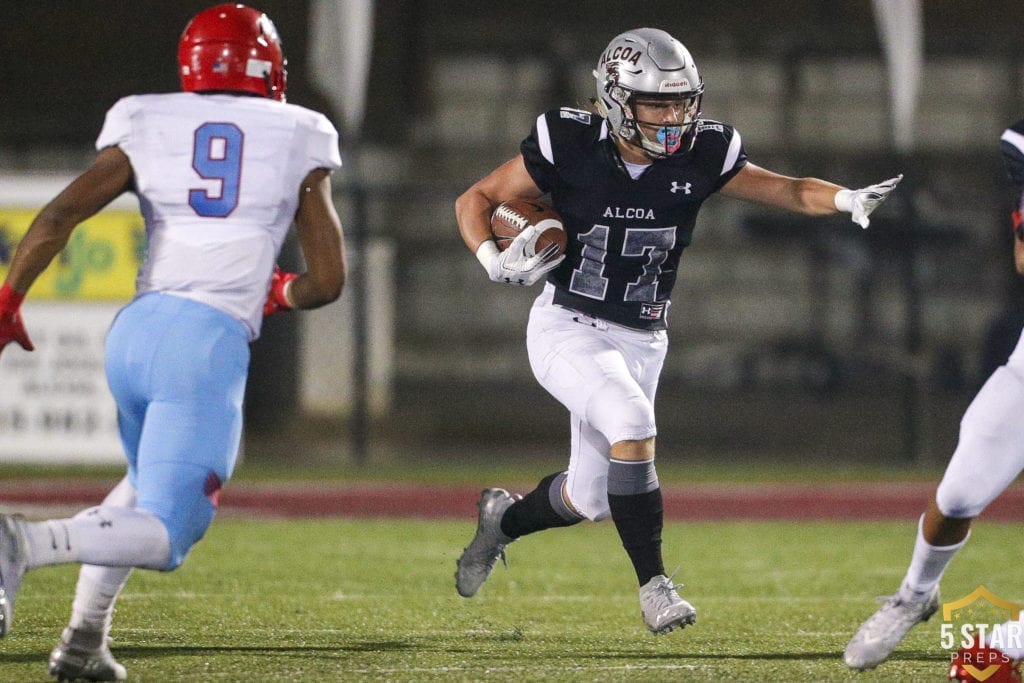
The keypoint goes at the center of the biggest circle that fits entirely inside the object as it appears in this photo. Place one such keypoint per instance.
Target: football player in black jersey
(628, 183)
(988, 458)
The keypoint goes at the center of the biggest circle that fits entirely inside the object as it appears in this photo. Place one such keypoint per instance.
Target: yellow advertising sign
(99, 263)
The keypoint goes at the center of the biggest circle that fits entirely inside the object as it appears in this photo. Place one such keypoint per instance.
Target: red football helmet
(232, 47)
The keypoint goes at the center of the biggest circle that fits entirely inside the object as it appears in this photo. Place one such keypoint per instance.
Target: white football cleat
(12, 567)
(662, 608)
(84, 655)
(482, 553)
(882, 632)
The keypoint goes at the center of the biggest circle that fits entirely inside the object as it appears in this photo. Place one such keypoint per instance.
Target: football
(513, 216)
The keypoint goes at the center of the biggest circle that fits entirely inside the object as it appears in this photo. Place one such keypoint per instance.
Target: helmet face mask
(232, 48)
(649, 90)
(665, 124)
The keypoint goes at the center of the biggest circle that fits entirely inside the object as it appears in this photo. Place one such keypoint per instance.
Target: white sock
(50, 542)
(102, 535)
(926, 566)
(97, 589)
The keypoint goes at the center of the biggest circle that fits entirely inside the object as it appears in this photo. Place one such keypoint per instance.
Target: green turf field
(357, 600)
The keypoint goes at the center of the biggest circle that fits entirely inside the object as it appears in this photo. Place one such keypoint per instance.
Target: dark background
(792, 339)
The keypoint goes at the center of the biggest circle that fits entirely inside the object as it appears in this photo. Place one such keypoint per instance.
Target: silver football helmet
(647, 66)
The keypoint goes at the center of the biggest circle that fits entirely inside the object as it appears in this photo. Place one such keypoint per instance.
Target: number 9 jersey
(218, 179)
(626, 235)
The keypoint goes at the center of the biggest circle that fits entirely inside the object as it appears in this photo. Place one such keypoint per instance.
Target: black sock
(541, 508)
(639, 519)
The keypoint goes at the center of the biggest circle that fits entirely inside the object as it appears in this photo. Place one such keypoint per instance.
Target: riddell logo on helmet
(667, 86)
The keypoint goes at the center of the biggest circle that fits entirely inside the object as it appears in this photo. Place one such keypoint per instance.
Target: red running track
(840, 501)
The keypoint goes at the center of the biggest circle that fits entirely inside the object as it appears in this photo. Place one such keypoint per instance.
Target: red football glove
(276, 301)
(11, 327)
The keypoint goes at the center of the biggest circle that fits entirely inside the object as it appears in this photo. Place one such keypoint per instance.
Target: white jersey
(218, 180)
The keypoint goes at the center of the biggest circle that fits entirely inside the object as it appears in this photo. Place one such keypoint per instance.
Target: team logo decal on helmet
(234, 48)
(648, 66)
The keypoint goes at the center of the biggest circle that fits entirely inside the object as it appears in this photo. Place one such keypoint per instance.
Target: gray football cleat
(662, 608)
(84, 655)
(482, 553)
(882, 632)
(13, 560)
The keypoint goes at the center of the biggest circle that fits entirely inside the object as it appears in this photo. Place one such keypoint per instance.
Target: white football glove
(862, 202)
(519, 264)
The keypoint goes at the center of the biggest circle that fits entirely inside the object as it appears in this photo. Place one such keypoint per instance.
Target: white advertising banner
(55, 406)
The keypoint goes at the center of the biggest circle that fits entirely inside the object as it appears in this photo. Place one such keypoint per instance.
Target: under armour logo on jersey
(676, 187)
(652, 311)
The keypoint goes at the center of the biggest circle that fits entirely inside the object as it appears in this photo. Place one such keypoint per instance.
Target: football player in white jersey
(989, 456)
(628, 183)
(221, 170)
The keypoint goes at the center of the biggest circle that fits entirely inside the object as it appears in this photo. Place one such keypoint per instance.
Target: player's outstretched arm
(860, 203)
(810, 196)
(323, 249)
(109, 176)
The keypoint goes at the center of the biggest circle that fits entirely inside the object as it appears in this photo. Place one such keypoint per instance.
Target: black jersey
(1012, 145)
(626, 236)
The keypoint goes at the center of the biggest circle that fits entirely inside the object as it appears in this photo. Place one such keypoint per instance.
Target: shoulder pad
(710, 125)
(577, 115)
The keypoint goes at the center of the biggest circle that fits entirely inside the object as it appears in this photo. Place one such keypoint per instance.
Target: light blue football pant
(177, 369)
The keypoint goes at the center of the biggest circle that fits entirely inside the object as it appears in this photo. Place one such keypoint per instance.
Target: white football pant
(606, 375)
(990, 453)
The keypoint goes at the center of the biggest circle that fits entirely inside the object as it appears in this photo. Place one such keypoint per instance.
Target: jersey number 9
(217, 155)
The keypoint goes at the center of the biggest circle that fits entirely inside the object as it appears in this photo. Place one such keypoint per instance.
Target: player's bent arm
(109, 176)
(810, 196)
(473, 208)
(322, 244)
